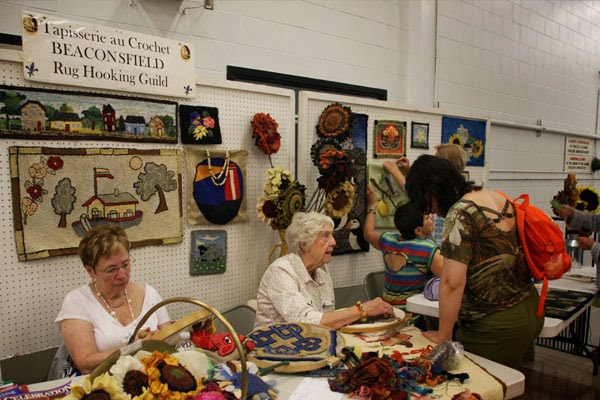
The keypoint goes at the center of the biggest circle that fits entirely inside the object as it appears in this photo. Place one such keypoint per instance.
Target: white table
(513, 379)
(287, 383)
(552, 326)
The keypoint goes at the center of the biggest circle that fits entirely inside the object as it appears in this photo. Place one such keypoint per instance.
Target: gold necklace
(221, 177)
(113, 312)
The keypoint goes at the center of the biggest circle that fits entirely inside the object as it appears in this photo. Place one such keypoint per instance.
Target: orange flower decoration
(264, 131)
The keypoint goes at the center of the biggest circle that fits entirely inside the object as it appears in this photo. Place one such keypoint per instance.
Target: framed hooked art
(389, 139)
(419, 135)
(60, 193)
(218, 193)
(467, 133)
(35, 113)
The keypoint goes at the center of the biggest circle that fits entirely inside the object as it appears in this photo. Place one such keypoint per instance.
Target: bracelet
(363, 313)
(371, 212)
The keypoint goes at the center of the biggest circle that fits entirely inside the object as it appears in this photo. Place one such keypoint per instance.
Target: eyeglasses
(326, 236)
(114, 269)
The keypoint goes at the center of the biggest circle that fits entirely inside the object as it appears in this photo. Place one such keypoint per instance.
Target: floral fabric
(497, 276)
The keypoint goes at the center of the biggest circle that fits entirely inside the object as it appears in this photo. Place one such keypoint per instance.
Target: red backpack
(543, 244)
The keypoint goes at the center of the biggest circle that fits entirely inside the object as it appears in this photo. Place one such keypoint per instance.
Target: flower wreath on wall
(339, 156)
(283, 195)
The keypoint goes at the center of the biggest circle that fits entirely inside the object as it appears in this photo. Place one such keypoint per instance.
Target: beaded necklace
(113, 312)
(221, 177)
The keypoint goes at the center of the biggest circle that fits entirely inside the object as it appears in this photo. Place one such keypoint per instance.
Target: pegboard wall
(31, 292)
(350, 269)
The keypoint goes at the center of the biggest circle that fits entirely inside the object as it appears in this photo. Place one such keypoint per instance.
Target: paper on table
(312, 388)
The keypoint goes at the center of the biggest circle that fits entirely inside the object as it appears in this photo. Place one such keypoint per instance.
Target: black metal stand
(573, 339)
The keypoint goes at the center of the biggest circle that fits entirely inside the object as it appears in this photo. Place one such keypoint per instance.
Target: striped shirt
(411, 278)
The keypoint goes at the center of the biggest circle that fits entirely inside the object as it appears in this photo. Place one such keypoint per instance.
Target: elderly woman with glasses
(100, 317)
(297, 287)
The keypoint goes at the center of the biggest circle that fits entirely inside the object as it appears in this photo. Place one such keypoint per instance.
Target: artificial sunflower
(334, 166)
(275, 177)
(128, 374)
(264, 131)
(456, 139)
(283, 197)
(476, 148)
(322, 145)
(336, 121)
(588, 199)
(166, 375)
(289, 203)
(340, 200)
(103, 387)
(267, 209)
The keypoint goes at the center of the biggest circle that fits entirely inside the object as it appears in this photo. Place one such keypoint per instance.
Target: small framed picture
(465, 174)
(419, 135)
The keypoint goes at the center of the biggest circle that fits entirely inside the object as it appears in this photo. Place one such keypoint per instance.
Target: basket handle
(187, 320)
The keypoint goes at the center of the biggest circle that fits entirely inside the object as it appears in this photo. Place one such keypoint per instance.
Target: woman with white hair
(297, 287)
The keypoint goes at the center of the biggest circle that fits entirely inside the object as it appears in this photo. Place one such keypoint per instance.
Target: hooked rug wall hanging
(58, 194)
(468, 133)
(217, 179)
(199, 125)
(389, 139)
(348, 232)
(209, 252)
(389, 195)
(35, 113)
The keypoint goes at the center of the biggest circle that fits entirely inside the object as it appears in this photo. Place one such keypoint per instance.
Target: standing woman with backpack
(485, 288)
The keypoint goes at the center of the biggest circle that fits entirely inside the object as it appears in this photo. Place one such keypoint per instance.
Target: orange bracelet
(362, 311)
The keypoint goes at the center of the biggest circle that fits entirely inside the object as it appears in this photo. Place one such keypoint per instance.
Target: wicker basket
(157, 342)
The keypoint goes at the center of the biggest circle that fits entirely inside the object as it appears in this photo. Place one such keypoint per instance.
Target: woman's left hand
(378, 306)
(145, 333)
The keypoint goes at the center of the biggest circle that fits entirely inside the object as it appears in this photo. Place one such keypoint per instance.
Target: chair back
(374, 284)
(241, 317)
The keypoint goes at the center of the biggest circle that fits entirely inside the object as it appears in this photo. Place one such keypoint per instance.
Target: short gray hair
(304, 229)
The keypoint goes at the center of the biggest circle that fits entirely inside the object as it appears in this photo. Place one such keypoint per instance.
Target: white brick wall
(515, 60)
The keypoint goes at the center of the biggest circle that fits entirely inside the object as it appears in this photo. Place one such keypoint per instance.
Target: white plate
(383, 325)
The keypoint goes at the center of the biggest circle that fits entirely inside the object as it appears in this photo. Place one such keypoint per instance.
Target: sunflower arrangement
(150, 376)
(335, 192)
(283, 197)
(158, 375)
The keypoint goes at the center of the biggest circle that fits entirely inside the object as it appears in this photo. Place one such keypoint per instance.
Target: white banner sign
(73, 53)
(578, 154)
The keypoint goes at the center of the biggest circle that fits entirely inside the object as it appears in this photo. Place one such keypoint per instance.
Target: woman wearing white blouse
(297, 287)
